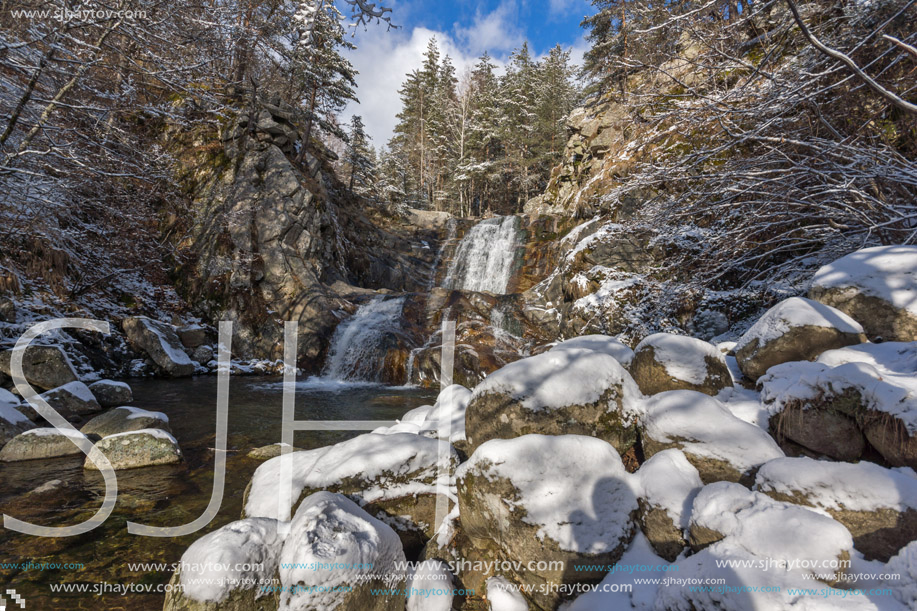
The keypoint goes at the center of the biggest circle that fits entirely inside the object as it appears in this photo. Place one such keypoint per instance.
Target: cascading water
(484, 258)
(358, 346)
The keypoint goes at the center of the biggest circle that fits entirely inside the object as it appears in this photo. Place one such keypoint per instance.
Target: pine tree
(557, 96)
(360, 159)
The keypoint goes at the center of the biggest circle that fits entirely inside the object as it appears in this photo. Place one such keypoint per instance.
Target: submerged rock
(675, 362)
(45, 367)
(112, 394)
(876, 286)
(134, 449)
(124, 419)
(160, 341)
(796, 329)
(580, 392)
(561, 503)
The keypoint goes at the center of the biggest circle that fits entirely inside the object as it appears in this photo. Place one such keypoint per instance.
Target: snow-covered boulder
(123, 419)
(12, 421)
(39, 443)
(873, 384)
(579, 392)
(877, 505)
(618, 591)
(668, 484)
(736, 518)
(766, 554)
(72, 400)
(719, 445)
(393, 476)
(229, 569)
(112, 394)
(135, 449)
(160, 341)
(876, 286)
(45, 367)
(563, 498)
(902, 576)
(599, 343)
(664, 361)
(331, 555)
(796, 329)
(504, 595)
(430, 587)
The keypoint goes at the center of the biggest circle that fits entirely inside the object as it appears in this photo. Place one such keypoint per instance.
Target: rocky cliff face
(272, 238)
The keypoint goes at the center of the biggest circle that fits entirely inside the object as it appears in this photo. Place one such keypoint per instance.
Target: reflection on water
(165, 495)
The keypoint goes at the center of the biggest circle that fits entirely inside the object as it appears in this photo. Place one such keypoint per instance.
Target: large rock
(580, 392)
(161, 343)
(718, 444)
(72, 400)
(45, 367)
(875, 385)
(599, 343)
(748, 540)
(230, 569)
(392, 476)
(549, 499)
(135, 449)
(876, 286)
(124, 419)
(795, 329)
(674, 362)
(335, 556)
(12, 421)
(39, 443)
(112, 394)
(877, 505)
(193, 336)
(668, 485)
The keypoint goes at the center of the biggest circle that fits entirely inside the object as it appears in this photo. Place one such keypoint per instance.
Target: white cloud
(385, 58)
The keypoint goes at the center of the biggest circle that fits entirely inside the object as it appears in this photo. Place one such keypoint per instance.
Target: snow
(157, 433)
(8, 398)
(684, 358)
(136, 412)
(885, 376)
(864, 486)
(8, 411)
(450, 407)
(640, 597)
(333, 543)
(797, 312)
(598, 343)
(504, 596)
(416, 415)
(573, 488)
(382, 460)
(702, 426)
(432, 586)
(886, 272)
(904, 564)
(669, 481)
(51, 431)
(613, 282)
(745, 404)
(556, 379)
(215, 565)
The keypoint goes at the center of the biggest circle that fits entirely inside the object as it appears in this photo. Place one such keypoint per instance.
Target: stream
(165, 495)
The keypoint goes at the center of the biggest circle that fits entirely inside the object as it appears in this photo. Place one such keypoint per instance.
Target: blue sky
(464, 30)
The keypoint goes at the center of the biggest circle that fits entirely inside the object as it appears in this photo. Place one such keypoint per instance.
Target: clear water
(168, 495)
(485, 258)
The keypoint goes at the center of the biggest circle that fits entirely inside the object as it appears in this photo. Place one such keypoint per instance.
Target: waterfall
(358, 346)
(484, 258)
